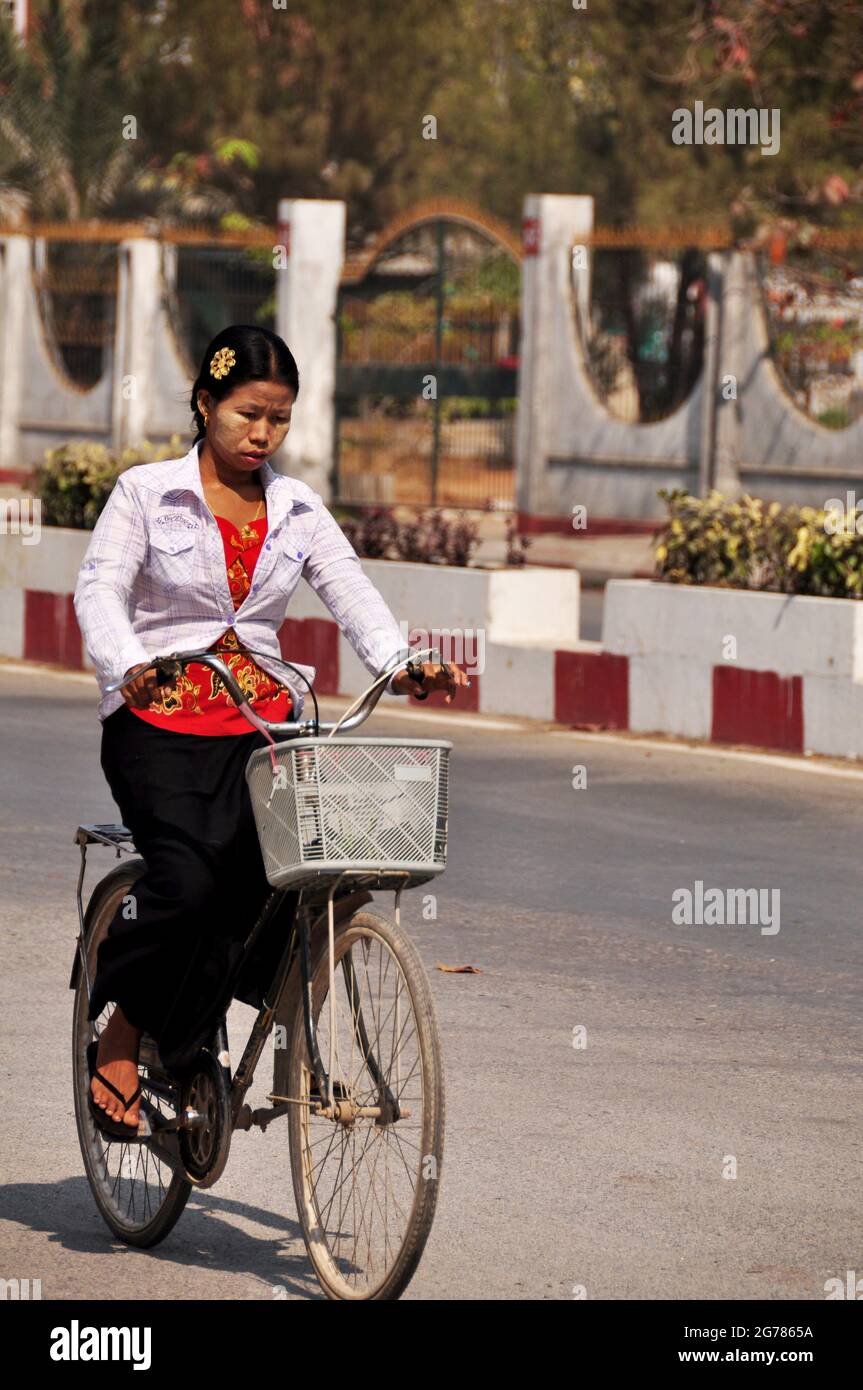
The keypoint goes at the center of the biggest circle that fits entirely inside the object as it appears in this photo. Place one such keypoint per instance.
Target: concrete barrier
(773, 670)
(791, 634)
(720, 665)
(507, 628)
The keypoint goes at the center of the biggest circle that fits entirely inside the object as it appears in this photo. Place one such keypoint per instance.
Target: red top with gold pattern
(199, 702)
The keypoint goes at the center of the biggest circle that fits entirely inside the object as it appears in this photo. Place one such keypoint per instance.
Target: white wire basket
(373, 805)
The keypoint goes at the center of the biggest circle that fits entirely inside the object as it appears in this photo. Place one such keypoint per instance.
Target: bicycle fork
(341, 1108)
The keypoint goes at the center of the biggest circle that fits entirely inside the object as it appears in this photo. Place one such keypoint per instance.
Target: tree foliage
(240, 102)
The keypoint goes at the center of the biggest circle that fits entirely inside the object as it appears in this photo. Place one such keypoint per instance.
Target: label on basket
(407, 772)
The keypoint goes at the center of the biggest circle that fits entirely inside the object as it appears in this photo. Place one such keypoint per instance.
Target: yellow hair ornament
(222, 362)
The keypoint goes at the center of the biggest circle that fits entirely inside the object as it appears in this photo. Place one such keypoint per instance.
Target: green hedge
(752, 544)
(75, 480)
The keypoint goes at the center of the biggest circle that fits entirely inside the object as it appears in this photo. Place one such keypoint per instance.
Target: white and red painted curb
(514, 631)
(729, 666)
(720, 665)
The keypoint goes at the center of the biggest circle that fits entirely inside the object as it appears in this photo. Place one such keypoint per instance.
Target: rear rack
(115, 835)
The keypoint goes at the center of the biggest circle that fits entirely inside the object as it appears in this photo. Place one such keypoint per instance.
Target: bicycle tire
(294, 1072)
(117, 1209)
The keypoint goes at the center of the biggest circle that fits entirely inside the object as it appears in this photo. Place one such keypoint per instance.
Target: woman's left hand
(438, 676)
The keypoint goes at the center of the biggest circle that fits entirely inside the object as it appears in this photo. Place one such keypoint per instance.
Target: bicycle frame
(306, 917)
(299, 939)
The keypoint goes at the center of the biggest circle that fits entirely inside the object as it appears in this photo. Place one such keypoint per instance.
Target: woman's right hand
(144, 689)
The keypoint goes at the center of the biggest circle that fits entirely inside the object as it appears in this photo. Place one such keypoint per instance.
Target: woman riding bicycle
(206, 549)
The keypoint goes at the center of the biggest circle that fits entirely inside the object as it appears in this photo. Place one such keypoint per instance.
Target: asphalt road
(598, 1167)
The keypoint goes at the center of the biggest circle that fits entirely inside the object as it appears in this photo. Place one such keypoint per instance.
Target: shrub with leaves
(751, 544)
(517, 545)
(459, 539)
(75, 480)
(373, 534)
(430, 538)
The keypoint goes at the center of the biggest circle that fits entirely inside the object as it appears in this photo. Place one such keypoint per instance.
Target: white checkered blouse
(154, 581)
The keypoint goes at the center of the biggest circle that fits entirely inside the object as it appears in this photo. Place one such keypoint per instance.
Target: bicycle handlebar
(172, 665)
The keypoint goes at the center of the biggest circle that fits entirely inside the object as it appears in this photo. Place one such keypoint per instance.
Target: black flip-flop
(112, 1129)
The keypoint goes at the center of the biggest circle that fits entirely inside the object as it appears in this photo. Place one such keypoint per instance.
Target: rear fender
(124, 875)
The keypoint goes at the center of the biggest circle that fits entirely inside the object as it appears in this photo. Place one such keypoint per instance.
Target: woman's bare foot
(117, 1060)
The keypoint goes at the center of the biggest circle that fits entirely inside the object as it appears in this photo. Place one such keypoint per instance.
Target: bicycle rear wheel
(138, 1193)
(366, 1185)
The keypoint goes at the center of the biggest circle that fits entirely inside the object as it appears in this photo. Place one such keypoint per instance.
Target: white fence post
(139, 295)
(307, 290)
(552, 224)
(14, 286)
(736, 305)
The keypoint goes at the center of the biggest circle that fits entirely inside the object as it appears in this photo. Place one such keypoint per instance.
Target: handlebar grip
(165, 671)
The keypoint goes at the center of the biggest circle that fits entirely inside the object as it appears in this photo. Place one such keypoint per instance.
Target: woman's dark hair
(259, 356)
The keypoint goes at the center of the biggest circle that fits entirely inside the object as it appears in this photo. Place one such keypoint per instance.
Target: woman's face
(248, 425)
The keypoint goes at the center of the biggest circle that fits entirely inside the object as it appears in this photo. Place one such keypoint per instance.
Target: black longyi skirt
(170, 951)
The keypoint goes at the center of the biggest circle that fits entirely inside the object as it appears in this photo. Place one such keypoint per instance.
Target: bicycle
(336, 817)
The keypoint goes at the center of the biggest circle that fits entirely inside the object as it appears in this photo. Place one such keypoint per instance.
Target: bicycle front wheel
(366, 1182)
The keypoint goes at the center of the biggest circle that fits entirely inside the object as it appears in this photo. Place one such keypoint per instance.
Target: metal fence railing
(76, 289)
(216, 285)
(813, 306)
(210, 278)
(642, 326)
(442, 298)
(428, 344)
(642, 323)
